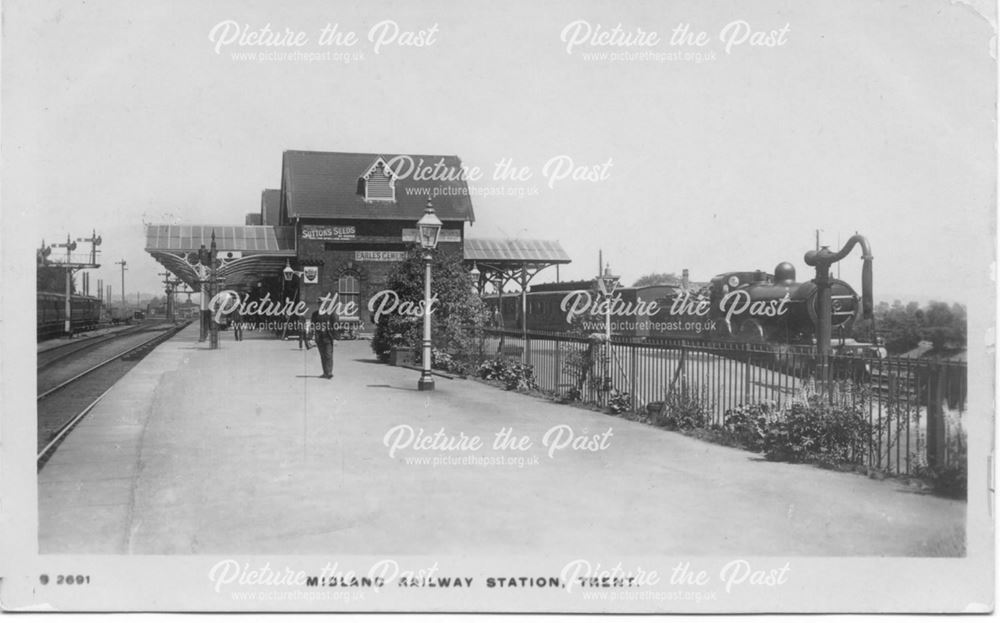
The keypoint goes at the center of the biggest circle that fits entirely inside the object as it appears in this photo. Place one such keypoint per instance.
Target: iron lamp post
(475, 274)
(607, 283)
(289, 274)
(429, 228)
(213, 335)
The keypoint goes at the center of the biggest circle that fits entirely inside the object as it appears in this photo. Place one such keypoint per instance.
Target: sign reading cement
(379, 256)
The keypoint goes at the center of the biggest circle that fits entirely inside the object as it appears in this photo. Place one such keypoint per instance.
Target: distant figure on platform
(304, 337)
(236, 319)
(323, 327)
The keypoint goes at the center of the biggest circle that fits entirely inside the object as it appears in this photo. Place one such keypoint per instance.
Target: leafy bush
(584, 364)
(513, 375)
(683, 409)
(457, 319)
(950, 481)
(579, 364)
(441, 360)
(619, 402)
(746, 425)
(573, 394)
(816, 431)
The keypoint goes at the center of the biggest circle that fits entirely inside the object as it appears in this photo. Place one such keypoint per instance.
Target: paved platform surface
(247, 450)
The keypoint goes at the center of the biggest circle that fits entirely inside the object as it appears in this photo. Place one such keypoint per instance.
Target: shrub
(458, 317)
(513, 375)
(683, 409)
(619, 402)
(441, 360)
(579, 364)
(816, 431)
(746, 425)
(573, 394)
(951, 481)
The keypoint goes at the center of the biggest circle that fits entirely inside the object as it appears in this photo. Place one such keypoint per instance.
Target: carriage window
(348, 291)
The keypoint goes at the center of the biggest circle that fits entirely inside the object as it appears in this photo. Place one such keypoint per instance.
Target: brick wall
(337, 258)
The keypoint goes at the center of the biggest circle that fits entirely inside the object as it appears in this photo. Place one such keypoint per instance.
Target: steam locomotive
(51, 310)
(743, 306)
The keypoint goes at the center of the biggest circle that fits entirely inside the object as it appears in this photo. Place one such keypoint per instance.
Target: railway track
(66, 394)
(58, 353)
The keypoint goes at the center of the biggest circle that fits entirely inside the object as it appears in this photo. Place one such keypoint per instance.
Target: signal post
(69, 266)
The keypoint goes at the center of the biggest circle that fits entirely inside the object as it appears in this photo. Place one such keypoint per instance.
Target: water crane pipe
(822, 259)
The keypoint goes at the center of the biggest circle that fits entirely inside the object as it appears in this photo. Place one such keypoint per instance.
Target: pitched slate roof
(530, 251)
(270, 206)
(325, 185)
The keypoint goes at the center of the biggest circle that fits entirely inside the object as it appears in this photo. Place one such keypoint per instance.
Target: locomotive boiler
(775, 307)
(742, 306)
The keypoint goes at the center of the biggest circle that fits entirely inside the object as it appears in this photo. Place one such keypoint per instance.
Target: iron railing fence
(914, 407)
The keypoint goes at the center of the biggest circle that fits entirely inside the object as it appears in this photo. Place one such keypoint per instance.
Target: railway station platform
(246, 449)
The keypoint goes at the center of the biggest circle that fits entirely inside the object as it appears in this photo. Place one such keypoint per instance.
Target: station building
(341, 222)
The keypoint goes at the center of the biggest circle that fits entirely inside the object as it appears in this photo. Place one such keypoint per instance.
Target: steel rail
(68, 426)
(85, 343)
(159, 335)
(73, 421)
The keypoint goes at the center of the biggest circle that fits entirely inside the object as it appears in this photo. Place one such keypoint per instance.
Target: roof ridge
(496, 239)
(366, 153)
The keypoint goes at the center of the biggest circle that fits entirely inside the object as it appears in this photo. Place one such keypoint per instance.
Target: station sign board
(328, 232)
(379, 256)
(446, 235)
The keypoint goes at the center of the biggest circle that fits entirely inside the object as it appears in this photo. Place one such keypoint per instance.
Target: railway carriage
(51, 314)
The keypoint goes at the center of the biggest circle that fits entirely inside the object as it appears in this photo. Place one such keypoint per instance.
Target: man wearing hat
(323, 328)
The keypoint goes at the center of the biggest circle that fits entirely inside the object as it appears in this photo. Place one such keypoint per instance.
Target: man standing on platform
(304, 338)
(323, 328)
(236, 319)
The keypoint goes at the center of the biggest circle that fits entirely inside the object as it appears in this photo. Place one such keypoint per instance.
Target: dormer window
(378, 183)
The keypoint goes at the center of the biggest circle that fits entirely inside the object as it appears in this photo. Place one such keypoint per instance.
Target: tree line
(903, 327)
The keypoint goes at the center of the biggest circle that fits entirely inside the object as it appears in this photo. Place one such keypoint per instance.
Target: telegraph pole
(123, 263)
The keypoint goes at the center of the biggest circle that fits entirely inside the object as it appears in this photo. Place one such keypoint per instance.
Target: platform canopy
(247, 253)
(518, 260)
(500, 261)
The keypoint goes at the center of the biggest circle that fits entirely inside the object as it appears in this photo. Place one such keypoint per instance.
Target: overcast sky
(875, 117)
